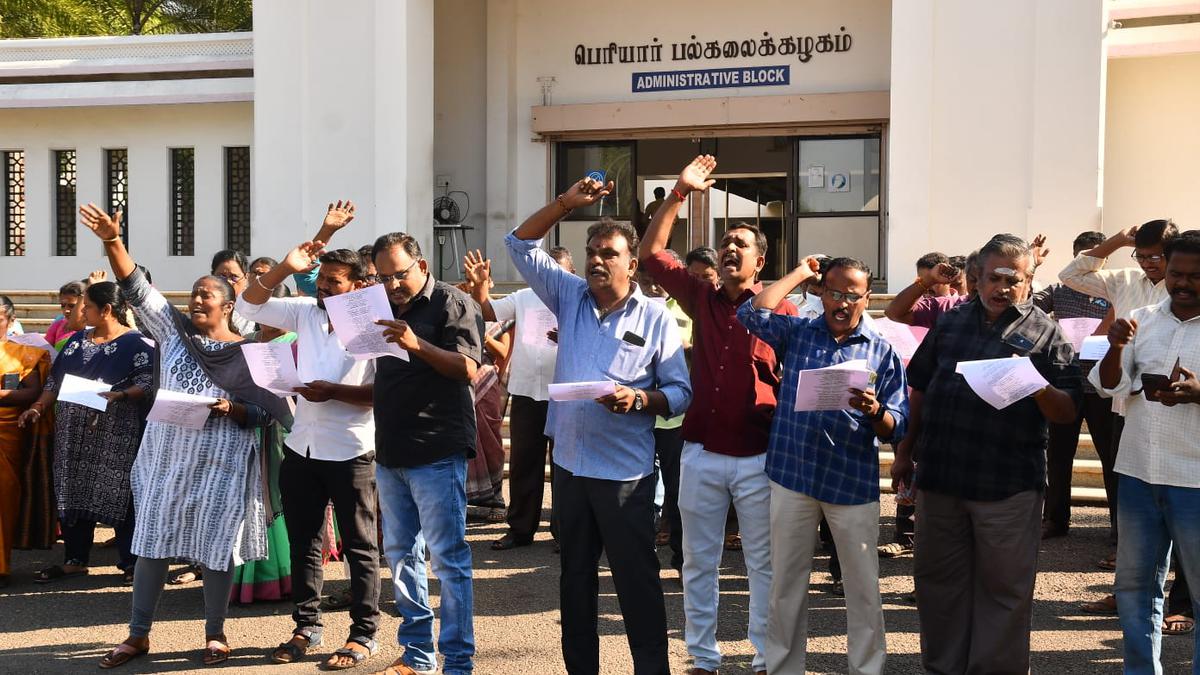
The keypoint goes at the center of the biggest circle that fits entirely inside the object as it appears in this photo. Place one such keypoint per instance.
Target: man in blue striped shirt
(604, 449)
(826, 463)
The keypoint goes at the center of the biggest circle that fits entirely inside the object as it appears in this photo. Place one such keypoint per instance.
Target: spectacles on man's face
(1142, 258)
(839, 296)
(233, 279)
(398, 276)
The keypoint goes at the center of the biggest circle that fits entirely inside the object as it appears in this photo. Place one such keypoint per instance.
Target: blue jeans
(428, 504)
(1149, 518)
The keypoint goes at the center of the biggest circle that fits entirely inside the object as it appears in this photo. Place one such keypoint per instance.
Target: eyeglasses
(232, 278)
(398, 276)
(839, 296)
(1147, 258)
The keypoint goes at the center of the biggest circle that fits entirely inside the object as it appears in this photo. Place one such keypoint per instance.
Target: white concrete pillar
(503, 178)
(343, 108)
(995, 126)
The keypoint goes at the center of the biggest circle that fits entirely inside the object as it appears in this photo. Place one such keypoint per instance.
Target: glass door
(838, 198)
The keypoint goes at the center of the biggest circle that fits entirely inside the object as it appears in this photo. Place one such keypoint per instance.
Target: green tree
(59, 18)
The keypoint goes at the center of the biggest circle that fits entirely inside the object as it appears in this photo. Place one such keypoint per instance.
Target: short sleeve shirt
(422, 416)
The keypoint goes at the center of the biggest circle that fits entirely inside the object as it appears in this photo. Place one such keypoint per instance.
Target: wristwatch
(878, 416)
(639, 401)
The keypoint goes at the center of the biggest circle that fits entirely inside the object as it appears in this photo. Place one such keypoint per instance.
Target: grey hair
(1004, 246)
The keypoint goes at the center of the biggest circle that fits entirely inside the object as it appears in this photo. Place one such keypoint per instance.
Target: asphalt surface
(66, 627)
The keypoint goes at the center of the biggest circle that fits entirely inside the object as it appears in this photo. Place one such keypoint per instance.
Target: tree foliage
(60, 18)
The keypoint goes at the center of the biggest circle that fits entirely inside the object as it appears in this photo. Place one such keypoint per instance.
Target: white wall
(995, 125)
(531, 39)
(343, 108)
(148, 132)
(1152, 141)
(460, 115)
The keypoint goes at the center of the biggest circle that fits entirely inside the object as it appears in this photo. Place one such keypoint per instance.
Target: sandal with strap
(1178, 624)
(356, 656)
(119, 657)
(290, 652)
(216, 649)
(402, 668)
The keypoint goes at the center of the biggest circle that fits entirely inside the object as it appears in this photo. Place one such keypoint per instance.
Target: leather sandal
(400, 668)
(119, 657)
(508, 542)
(216, 649)
(291, 652)
(369, 648)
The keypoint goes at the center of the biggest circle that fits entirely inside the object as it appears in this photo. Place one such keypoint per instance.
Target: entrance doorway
(818, 194)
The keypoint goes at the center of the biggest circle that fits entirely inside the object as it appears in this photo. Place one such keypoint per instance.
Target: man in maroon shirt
(734, 381)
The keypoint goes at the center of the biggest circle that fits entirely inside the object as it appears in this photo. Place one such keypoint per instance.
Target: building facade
(853, 127)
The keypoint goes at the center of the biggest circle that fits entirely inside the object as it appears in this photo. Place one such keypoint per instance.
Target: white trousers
(794, 520)
(708, 483)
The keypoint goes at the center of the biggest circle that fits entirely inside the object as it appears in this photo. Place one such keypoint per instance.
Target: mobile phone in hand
(10, 382)
(1152, 383)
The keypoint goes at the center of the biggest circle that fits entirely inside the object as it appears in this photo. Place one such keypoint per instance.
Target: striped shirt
(830, 455)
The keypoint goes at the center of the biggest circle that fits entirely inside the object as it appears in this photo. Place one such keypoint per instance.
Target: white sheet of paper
(828, 388)
(535, 323)
(1002, 382)
(581, 391)
(35, 340)
(84, 392)
(180, 409)
(902, 337)
(272, 367)
(1075, 330)
(353, 316)
(1094, 348)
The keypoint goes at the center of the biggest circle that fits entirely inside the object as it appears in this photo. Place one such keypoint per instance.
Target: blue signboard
(712, 78)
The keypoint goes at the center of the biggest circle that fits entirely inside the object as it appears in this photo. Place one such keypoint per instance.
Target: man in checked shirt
(981, 471)
(827, 462)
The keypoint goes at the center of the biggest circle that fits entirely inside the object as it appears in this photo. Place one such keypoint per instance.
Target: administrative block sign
(713, 78)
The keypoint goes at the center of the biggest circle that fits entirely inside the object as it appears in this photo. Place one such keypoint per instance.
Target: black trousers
(527, 467)
(306, 486)
(616, 518)
(668, 445)
(1060, 458)
(79, 536)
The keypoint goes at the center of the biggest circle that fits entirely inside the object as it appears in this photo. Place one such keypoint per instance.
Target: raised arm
(900, 309)
(339, 215)
(772, 295)
(478, 271)
(297, 260)
(583, 192)
(693, 178)
(108, 230)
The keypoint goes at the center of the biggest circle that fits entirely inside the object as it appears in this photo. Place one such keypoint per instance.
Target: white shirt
(333, 430)
(1160, 445)
(531, 369)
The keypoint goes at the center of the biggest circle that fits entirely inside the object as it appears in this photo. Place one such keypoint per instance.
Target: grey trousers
(150, 574)
(974, 566)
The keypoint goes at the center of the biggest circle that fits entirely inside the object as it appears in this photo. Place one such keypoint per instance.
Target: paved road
(65, 628)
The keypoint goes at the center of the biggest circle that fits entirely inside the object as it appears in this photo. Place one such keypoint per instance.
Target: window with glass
(838, 191)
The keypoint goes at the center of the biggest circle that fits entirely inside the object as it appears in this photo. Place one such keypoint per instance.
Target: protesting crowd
(628, 370)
